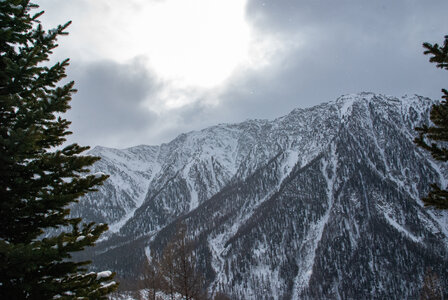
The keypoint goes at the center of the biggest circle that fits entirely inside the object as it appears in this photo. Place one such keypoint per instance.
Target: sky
(149, 70)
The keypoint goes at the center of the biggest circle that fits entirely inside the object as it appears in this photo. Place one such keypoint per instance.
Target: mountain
(322, 203)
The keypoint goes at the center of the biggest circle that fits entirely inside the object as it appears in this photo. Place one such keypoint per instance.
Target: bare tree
(431, 289)
(151, 281)
(167, 271)
(221, 296)
(178, 267)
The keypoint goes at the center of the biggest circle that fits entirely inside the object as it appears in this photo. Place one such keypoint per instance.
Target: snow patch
(315, 232)
(103, 274)
(80, 238)
(401, 229)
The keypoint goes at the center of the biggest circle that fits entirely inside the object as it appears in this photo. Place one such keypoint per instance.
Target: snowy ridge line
(350, 148)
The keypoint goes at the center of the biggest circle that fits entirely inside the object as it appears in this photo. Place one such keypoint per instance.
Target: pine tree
(437, 134)
(39, 178)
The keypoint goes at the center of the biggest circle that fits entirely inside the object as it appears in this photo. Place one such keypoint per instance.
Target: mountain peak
(322, 203)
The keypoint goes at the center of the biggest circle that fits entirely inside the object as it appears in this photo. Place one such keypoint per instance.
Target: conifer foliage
(434, 138)
(38, 178)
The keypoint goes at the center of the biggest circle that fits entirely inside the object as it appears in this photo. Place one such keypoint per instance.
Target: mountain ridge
(292, 207)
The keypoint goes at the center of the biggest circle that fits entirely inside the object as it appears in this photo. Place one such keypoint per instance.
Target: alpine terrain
(323, 203)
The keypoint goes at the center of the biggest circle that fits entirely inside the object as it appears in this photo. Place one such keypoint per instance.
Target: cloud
(109, 108)
(308, 52)
(325, 52)
(347, 47)
(365, 16)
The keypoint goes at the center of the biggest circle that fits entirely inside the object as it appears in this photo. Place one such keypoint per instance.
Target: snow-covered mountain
(322, 203)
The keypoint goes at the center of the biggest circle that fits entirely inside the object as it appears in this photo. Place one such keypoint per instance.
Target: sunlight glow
(199, 42)
(192, 43)
(192, 47)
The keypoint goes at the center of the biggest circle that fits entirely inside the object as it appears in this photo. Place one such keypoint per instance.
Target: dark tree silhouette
(38, 178)
(434, 138)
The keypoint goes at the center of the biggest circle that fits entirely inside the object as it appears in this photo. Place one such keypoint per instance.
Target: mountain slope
(321, 203)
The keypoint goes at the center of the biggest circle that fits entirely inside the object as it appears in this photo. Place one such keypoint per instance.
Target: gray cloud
(108, 108)
(329, 49)
(363, 16)
(348, 47)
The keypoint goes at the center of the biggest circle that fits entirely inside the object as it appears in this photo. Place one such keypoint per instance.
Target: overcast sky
(148, 70)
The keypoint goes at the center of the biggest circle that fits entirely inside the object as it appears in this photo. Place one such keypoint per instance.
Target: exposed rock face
(322, 203)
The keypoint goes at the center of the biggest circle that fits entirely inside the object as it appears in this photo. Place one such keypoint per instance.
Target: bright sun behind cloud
(192, 46)
(198, 42)
(192, 43)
